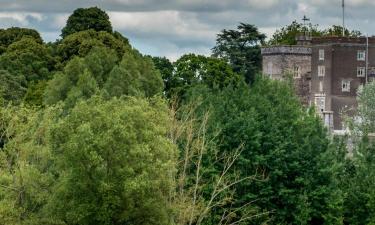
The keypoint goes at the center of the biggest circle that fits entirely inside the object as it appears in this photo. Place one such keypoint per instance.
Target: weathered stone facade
(280, 61)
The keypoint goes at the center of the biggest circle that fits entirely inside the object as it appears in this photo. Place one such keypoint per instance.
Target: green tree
(365, 122)
(11, 87)
(336, 30)
(191, 70)
(29, 59)
(14, 34)
(81, 43)
(87, 18)
(135, 75)
(107, 162)
(118, 163)
(287, 34)
(282, 142)
(241, 49)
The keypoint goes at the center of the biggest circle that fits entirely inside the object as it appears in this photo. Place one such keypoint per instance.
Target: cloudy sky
(174, 27)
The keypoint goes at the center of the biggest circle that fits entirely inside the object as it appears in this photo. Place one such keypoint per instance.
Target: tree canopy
(14, 34)
(241, 49)
(85, 19)
(287, 34)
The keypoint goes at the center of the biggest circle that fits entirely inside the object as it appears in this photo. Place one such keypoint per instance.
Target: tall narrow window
(345, 85)
(361, 71)
(321, 54)
(320, 103)
(269, 68)
(297, 72)
(321, 71)
(320, 86)
(361, 55)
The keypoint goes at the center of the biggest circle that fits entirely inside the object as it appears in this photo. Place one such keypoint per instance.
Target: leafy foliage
(99, 72)
(29, 59)
(11, 87)
(241, 49)
(85, 19)
(80, 44)
(107, 162)
(282, 142)
(14, 34)
(287, 34)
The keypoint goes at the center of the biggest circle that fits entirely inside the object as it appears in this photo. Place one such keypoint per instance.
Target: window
(361, 71)
(297, 72)
(361, 55)
(320, 103)
(321, 71)
(345, 85)
(320, 86)
(321, 54)
(269, 68)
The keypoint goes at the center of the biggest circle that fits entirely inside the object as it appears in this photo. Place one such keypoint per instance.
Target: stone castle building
(327, 72)
(292, 60)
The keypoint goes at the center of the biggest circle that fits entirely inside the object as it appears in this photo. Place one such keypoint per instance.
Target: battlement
(286, 49)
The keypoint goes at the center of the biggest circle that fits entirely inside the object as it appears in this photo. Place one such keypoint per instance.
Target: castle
(327, 72)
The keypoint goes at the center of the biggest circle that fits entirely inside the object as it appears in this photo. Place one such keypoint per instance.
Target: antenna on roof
(343, 18)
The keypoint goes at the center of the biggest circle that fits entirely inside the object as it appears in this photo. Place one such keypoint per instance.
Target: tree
(14, 34)
(205, 195)
(282, 142)
(85, 19)
(81, 43)
(287, 34)
(166, 70)
(11, 87)
(29, 59)
(135, 75)
(365, 122)
(191, 70)
(336, 30)
(241, 49)
(107, 162)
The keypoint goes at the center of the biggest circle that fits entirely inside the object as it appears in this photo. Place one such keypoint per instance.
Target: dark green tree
(81, 43)
(282, 142)
(12, 88)
(191, 70)
(85, 19)
(28, 58)
(166, 69)
(14, 34)
(135, 75)
(241, 49)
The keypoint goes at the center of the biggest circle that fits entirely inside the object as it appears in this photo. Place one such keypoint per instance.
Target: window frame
(321, 99)
(361, 71)
(321, 54)
(321, 71)
(361, 55)
(347, 88)
(296, 71)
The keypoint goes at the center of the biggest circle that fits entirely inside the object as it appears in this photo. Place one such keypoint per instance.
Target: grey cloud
(175, 27)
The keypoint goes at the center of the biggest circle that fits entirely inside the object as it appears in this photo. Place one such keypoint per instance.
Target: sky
(172, 28)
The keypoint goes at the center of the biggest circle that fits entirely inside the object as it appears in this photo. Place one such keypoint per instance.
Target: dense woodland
(94, 132)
